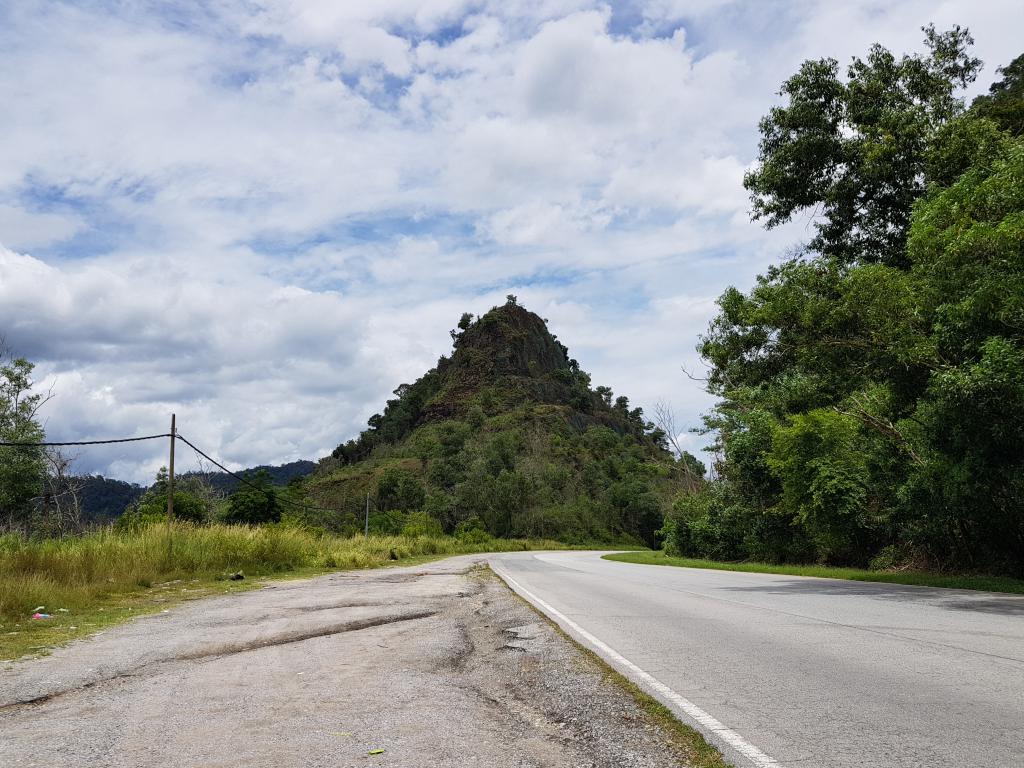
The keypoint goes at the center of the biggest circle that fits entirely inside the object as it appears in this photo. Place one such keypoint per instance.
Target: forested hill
(506, 435)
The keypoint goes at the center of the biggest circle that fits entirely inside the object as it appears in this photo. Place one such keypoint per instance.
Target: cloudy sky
(264, 215)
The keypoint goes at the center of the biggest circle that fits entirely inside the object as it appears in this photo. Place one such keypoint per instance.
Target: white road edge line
(655, 686)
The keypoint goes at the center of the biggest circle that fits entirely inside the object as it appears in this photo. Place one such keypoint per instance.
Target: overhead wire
(7, 443)
(246, 481)
(178, 436)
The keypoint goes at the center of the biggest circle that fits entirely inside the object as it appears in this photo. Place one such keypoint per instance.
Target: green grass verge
(90, 582)
(915, 578)
(688, 741)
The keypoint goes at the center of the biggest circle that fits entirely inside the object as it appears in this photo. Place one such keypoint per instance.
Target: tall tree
(871, 386)
(853, 151)
(1004, 102)
(22, 469)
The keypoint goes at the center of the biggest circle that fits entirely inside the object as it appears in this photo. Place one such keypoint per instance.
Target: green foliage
(22, 470)
(472, 529)
(1004, 102)
(507, 437)
(872, 388)
(254, 502)
(421, 524)
(820, 459)
(856, 148)
(400, 490)
(151, 507)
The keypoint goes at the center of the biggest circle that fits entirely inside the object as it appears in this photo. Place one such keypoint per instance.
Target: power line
(8, 443)
(243, 479)
(240, 478)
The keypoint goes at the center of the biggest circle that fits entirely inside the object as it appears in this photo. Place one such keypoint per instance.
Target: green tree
(22, 469)
(400, 490)
(871, 397)
(822, 464)
(967, 249)
(855, 150)
(1004, 102)
(151, 507)
(254, 502)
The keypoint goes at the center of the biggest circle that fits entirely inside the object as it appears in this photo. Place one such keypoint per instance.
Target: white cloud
(267, 216)
(25, 229)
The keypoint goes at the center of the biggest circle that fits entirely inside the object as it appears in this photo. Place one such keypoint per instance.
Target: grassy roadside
(697, 751)
(914, 578)
(91, 582)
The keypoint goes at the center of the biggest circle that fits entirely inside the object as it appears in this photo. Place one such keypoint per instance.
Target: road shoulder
(438, 665)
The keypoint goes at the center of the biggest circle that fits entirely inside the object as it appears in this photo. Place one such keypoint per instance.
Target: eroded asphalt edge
(730, 743)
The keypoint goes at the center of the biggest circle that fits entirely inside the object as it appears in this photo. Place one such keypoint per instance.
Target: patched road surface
(437, 665)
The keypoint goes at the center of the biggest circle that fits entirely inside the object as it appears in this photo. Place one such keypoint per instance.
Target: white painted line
(659, 689)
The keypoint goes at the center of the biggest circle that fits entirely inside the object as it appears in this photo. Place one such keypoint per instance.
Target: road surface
(433, 666)
(809, 672)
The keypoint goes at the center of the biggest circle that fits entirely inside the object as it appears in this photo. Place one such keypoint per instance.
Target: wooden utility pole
(170, 490)
(366, 529)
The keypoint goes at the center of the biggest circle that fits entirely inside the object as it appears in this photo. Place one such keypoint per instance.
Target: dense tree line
(872, 384)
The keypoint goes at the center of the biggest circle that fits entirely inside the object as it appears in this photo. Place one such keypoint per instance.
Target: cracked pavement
(437, 665)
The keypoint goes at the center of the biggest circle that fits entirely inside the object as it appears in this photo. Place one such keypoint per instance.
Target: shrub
(421, 524)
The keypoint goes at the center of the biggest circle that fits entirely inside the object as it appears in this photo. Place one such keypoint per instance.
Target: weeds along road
(436, 665)
(809, 672)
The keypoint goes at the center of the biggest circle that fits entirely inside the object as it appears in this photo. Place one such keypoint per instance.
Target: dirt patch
(464, 674)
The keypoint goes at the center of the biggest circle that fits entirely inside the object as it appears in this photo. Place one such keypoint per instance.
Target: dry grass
(110, 575)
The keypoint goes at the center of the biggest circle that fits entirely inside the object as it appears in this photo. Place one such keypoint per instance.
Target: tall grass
(77, 572)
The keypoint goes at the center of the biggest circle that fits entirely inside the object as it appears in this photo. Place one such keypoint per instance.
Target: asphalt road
(432, 666)
(811, 672)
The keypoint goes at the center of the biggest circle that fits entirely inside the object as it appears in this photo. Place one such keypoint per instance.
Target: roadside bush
(472, 530)
(153, 509)
(421, 524)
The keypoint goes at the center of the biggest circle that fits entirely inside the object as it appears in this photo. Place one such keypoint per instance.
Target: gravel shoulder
(437, 665)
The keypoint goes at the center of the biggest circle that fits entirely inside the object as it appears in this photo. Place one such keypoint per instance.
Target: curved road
(804, 671)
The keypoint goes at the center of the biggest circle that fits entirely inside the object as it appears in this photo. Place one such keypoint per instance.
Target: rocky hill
(506, 435)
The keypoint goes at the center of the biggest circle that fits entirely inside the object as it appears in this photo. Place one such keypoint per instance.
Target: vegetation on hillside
(872, 385)
(506, 437)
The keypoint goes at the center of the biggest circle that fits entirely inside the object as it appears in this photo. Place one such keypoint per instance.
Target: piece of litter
(72, 627)
(41, 616)
(63, 610)
(38, 608)
(376, 752)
